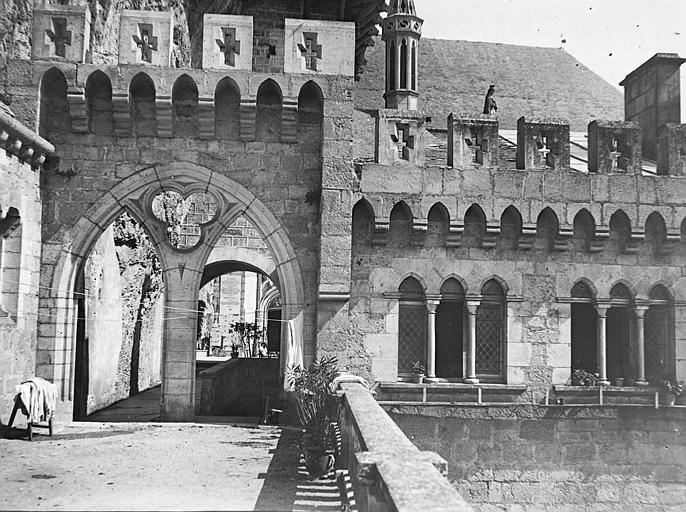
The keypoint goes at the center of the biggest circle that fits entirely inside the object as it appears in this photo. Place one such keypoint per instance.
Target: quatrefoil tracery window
(184, 217)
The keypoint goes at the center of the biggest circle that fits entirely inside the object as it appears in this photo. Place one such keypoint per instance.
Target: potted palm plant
(318, 407)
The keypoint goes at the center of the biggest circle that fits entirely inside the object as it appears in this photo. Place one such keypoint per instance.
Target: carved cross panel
(230, 47)
(404, 140)
(615, 155)
(59, 36)
(477, 145)
(543, 149)
(146, 41)
(310, 50)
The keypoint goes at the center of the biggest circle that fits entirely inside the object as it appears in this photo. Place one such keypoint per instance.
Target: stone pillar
(472, 306)
(602, 343)
(640, 311)
(432, 305)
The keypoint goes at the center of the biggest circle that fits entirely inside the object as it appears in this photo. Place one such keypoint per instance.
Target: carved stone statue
(490, 106)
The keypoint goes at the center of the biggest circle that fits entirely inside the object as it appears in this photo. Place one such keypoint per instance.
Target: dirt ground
(160, 466)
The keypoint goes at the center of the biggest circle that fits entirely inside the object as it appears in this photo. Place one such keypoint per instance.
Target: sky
(611, 37)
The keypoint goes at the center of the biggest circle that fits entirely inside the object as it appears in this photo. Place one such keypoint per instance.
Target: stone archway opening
(182, 266)
(119, 301)
(238, 347)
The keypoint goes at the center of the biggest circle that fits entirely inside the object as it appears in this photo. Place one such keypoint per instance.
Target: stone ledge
(389, 472)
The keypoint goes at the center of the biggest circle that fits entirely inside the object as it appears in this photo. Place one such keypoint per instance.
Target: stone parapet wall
(388, 472)
(564, 191)
(535, 458)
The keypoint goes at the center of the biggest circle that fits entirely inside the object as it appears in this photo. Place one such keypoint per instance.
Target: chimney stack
(652, 97)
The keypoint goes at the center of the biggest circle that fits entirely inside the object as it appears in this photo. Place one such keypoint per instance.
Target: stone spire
(401, 32)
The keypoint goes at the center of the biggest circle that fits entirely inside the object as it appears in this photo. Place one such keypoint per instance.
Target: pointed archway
(182, 272)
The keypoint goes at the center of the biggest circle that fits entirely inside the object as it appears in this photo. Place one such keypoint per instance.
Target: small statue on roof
(490, 106)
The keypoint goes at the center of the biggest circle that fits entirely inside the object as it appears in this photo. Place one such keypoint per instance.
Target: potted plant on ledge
(418, 370)
(584, 378)
(318, 407)
(675, 391)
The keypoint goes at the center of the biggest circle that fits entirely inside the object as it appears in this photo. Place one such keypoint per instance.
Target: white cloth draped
(294, 351)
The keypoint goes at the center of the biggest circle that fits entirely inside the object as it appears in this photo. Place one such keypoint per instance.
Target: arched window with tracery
(584, 328)
(450, 315)
(491, 322)
(619, 333)
(658, 335)
(412, 325)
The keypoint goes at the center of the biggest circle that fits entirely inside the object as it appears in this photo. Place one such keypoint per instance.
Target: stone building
(508, 250)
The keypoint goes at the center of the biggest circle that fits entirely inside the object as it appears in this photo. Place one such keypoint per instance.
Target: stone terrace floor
(160, 466)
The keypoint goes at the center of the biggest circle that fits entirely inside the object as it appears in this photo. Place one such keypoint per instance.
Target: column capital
(432, 305)
(640, 309)
(601, 308)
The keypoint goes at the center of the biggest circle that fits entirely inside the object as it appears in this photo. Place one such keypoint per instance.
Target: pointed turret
(402, 29)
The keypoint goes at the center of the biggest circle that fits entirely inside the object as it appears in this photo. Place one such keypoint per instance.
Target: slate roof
(454, 77)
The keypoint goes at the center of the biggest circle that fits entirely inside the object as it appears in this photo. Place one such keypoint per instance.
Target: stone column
(640, 312)
(602, 343)
(472, 306)
(432, 305)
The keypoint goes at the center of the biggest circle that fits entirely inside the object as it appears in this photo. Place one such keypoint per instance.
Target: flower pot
(417, 379)
(629, 382)
(668, 400)
(618, 381)
(318, 461)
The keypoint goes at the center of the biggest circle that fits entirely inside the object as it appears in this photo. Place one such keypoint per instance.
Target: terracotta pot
(417, 379)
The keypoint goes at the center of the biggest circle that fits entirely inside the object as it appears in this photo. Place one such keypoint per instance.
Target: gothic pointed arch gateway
(182, 271)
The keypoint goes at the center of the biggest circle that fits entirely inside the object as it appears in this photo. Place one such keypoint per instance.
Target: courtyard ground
(160, 466)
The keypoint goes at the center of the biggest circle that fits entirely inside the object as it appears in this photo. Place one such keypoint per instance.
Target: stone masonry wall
(537, 272)
(19, 293)
(285, 177)
(544, 459)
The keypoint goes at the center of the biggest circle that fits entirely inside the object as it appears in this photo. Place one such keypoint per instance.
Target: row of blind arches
(55, 118)
(491, 331)
(475, 223)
